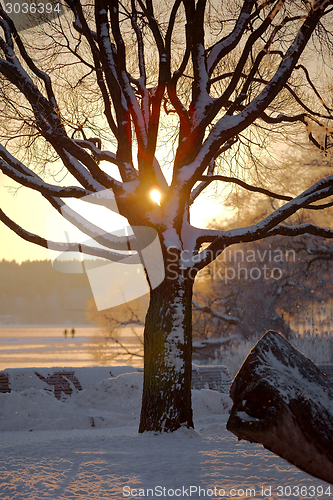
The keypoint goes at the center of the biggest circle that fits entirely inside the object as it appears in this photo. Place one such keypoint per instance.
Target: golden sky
(31, 211)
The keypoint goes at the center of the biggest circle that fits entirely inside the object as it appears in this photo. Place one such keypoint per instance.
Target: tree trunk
(282, 400)
(166, 399)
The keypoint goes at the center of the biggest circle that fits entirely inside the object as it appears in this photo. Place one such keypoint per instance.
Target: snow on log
(282, 400)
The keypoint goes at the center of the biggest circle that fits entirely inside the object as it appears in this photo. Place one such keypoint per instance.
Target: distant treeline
(34, 293)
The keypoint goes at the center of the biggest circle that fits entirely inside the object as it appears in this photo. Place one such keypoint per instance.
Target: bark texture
(282, 400)
(166, 399)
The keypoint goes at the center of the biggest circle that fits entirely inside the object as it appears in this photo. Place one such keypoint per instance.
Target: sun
(155, 196)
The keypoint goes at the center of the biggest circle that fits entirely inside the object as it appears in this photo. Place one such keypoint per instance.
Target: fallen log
(283, 401)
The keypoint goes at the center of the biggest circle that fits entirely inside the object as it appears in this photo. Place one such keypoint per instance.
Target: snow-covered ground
(87, 448)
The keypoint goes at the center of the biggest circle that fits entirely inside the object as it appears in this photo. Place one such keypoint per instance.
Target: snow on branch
(301, 229)
(195, 21)
(84, 168)
(207, 179)
(238, 72)
(142, 66)
(127, 171)
(38, 184)
(229, 126)
(228, 43)
(107, 239)
(17, 171)
(269, 226)
(81, 26)
(80, 173)
(51, 127)
(32, 66)
(287, 65)
(320, 190)
(15, 163)
(58, 246)
(107, 56)
(132, 102)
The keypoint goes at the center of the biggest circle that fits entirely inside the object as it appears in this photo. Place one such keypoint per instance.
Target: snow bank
(206, 402)
(38, 409)
(20, 379)
(111, 402)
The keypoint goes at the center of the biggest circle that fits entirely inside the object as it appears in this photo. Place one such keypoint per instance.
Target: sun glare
(156, 196)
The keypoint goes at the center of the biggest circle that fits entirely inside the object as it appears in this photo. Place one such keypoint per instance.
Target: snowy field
(87, 448)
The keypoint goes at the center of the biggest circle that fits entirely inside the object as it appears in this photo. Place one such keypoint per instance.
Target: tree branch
(38, 184)
(269, 226)
(229, 126)
(223, 47)
(220, 102)
(301, 229)
(245, 185)
(120, 67)
(58, 246)
(126, 170)
(198, 190)
(233, 320)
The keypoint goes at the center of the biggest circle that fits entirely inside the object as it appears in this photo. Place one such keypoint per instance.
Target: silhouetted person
(73, 332)
(65, 333)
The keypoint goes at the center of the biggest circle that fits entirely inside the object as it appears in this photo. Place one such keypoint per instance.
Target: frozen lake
(44, 346)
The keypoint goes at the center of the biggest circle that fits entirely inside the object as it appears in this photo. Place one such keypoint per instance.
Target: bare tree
(221, 76)
(268, 285)
(271, 283)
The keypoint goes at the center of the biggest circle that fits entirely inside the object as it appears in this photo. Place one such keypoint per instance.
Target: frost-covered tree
(265, 286)
(200, 86)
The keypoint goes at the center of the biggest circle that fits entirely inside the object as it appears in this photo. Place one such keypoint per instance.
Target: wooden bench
(64, 381)
(214, 377)
(4, 383)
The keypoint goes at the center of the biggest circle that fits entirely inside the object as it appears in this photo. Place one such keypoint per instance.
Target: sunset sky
(31, 211)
